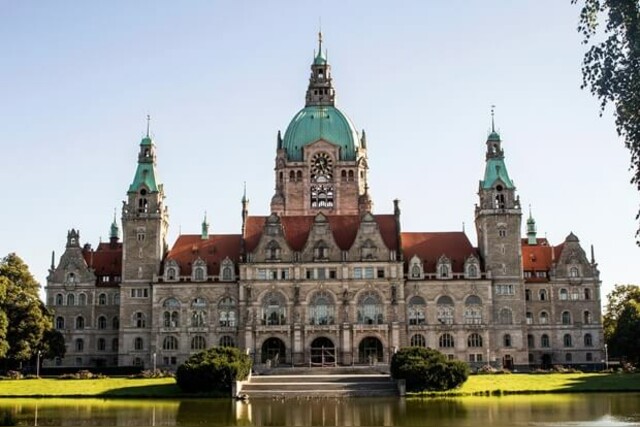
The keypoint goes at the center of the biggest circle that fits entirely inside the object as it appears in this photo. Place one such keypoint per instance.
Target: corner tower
(145, 219)
(498, 215)
(321, 163)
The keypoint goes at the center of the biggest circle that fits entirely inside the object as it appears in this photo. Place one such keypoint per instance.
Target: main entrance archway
(273, 349)
(323, 352)
(370, 350)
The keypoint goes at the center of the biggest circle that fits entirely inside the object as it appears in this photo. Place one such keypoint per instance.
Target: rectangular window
(309, 273)
(139, 293)
(262, 274)
(273, 274)
(321, 273)
(357, 273)
(381, 273)
(368, 272)
(332, 273)
(284, 274)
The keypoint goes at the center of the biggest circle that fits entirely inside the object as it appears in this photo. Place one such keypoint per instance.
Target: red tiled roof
(344, 228)
(188, 247)
(539, 257)
(106, 260)
(430, 246)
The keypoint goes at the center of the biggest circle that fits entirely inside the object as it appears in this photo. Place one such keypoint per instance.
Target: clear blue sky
(220, 78)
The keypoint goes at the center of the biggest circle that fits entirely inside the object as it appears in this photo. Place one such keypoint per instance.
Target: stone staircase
(319, 385)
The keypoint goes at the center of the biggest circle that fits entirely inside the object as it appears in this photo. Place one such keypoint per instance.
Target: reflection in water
(541, 410)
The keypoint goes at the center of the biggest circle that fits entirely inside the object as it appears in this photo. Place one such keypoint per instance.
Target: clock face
(321, 167)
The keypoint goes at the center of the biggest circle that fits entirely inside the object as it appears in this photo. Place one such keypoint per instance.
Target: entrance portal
(273, 350)
(323, 352)
(370, 350)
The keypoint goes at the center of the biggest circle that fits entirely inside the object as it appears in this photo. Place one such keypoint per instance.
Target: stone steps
(272, 386)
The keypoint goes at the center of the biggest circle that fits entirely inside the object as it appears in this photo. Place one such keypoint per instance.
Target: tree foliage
(611, 67)
(425, 369)
(622, 322)
(214, 369)
(27, 317)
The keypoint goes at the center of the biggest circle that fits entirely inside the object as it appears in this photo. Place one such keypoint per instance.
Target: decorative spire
(205, 227)
(148, 125)
(244, 192)
(320, 91)
(531, 229)
(114, 233)
(493, 124)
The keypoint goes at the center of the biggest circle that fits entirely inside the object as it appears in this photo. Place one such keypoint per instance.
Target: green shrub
(82, 375)
(425, 369)
(214, 369)
(149, 373)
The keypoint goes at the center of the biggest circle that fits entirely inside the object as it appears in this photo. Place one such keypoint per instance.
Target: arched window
(444, 310)
(530, 341)
(586, 317)
(320, 250)
(199, 274)
(227, 274)
(472, 271)
(199, 313)
(370, 310)
(587, 294)
(274, 310)
(59, 299)
(473, 310)
(170, 343)
(505, 317)
(71, 299)
(543, 294)
(139, 320)
(544, 318)
(474, 340)
(79, 322)
(415, 272)
(198, 343)
(171, 315)
(574, 272)
(59, 322)
(79, 345)
(446, 341)
(171, 273)
(226, 341)
(322, 309)
(273, 251)
(418, 340)
(568, 357)
(227, 312)
(417, 309)
(566, 318)
(351, 176)
(102, 299)
(116, 299)
(506, 340)
(114, 344)
(588, 340)
(115, 323)
(82, 299)
(138, 344)
(544, 341)
(137, 361)
(292, 176)
(102, 322)
(529, 317)
(564, 294)
(567, 341)
(369, 250)
(101, 344)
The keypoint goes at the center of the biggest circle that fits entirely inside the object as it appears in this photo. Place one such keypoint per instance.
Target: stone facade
(323, 280)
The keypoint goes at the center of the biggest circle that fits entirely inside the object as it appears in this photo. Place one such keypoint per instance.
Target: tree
(27, 316)
(427, 369)
(611, 68)
(52, 345)
(4, 321)
(622, 322)
(214, 369)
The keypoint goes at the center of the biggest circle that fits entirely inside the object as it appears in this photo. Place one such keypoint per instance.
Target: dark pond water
(589, 410)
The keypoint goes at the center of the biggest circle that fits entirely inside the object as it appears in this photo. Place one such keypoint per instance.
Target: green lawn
(108, 387)
(545, 383)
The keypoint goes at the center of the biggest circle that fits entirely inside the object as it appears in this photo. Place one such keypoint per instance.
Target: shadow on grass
(157, 391)
(604, 383)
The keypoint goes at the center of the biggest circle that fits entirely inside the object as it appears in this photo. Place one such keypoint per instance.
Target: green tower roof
(317, 122)
(496, 170)
(146, 171)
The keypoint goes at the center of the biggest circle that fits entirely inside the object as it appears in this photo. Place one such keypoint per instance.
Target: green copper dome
(317, 122)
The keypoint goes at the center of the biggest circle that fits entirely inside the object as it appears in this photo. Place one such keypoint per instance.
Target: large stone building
(323, 279)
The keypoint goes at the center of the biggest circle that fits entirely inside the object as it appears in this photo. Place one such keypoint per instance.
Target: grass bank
(496, 385)
(107, 387)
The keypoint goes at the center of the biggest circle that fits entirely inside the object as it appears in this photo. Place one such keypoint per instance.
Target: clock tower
(321, 163)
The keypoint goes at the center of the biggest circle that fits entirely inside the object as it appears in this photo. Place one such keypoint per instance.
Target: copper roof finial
(148, 124)
(493, 125)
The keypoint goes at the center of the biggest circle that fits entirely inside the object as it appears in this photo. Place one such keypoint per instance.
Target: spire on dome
(320, 91)
(114, 232)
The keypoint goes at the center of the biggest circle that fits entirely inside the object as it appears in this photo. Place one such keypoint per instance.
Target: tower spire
(148, 125)
(531, 229)
(493, 124)
(205, 227)
(320, 91)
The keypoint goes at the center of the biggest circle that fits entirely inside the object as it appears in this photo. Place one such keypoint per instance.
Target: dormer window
(199, 273)
(172, 271)
(369, 250)
(415, 268)
(574, 272)
(171, 274)
(472, 268)
(321, 251)
(273, 251)
(443, 268)
(226, 270)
